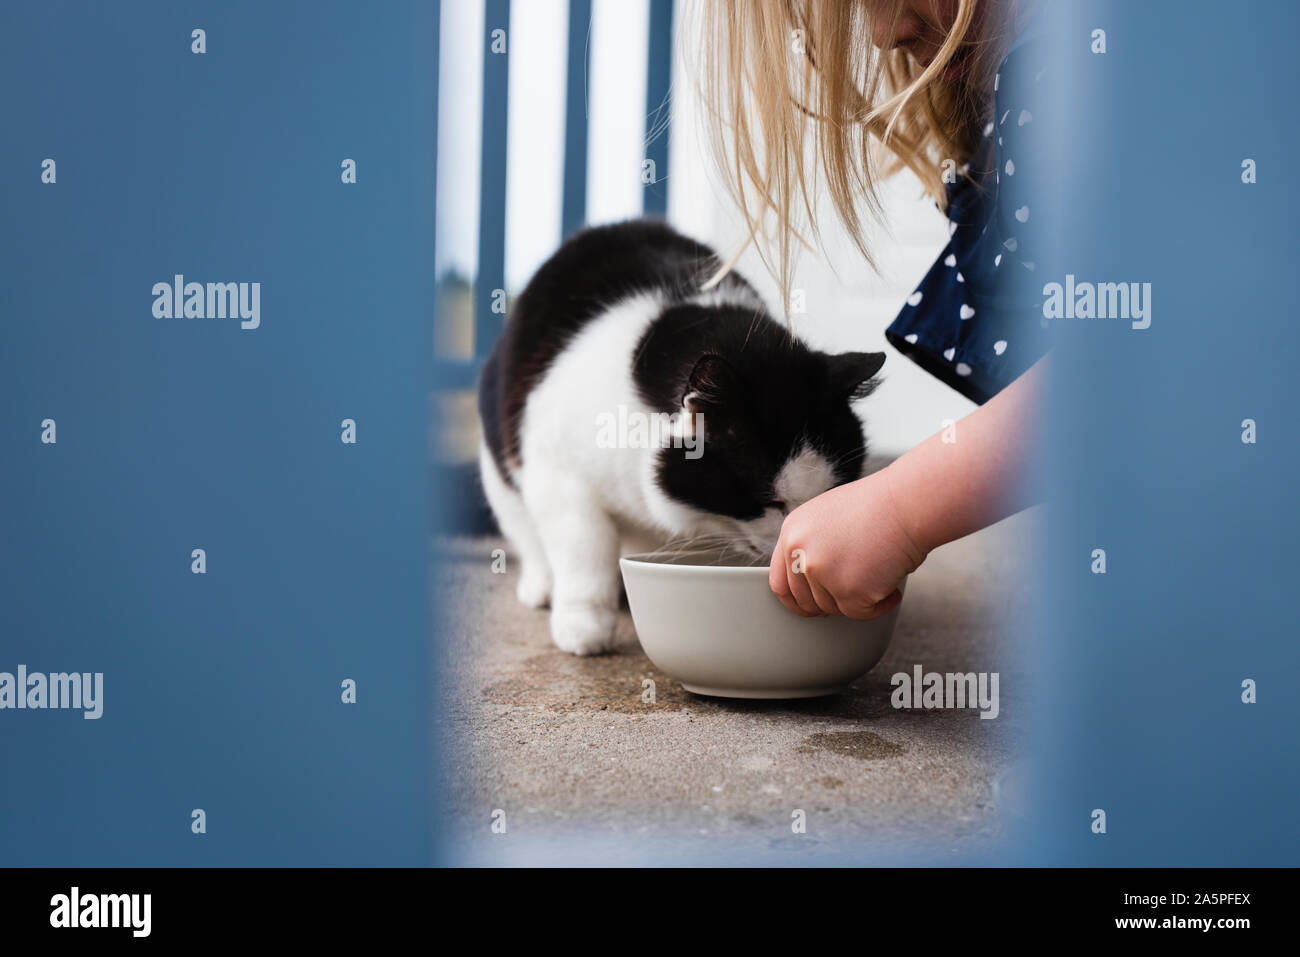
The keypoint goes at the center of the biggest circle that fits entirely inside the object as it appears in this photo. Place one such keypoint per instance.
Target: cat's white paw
(583, 629)
(534, 588)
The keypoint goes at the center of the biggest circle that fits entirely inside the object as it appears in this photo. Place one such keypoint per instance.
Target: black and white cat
(615, 328)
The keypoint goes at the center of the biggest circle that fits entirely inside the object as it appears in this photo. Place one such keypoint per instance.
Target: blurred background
(549, 113)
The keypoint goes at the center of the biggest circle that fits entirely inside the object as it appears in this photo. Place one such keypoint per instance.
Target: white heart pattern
(911, 338)
(949, 353)
(914, 298)
(1011, 244)
(966, 311)
(1011, 168)
(997, 260)
(1022, 214)
(960, 277)
(963, 369)
(1025, 117)
(951, 260)
(1000, 346)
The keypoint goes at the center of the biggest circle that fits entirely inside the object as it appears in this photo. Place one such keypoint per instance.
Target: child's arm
(846, 551)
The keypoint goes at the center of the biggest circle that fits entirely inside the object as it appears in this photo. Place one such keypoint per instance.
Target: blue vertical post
(574, 209)
(433, 186)
(659, 74)
(492, 185)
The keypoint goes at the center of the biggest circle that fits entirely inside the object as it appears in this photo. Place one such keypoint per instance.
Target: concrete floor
(585, 772)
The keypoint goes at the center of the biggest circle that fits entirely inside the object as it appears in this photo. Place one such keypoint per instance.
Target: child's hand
(845, 552)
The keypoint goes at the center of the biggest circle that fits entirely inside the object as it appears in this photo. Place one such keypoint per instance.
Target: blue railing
(573, 211)
(492, 181)
(461, 374)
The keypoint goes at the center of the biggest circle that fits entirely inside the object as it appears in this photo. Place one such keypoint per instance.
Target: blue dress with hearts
(975, 321)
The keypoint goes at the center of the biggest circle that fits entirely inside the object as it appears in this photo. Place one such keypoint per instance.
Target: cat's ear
(850, 373)
(709, 386)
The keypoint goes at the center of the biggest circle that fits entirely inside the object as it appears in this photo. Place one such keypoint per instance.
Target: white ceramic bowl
(718, 629)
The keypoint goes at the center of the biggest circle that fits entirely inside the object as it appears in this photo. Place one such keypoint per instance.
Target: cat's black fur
(760, 389)
(592, 270)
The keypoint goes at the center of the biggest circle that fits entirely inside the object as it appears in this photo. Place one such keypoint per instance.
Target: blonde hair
(795, 89)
